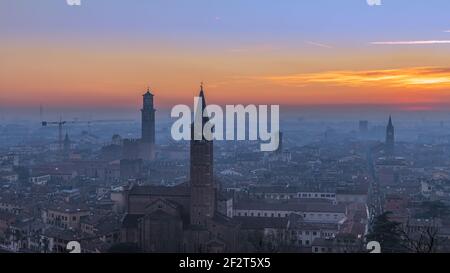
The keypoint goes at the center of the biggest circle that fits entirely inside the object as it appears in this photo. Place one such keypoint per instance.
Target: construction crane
(61, 123)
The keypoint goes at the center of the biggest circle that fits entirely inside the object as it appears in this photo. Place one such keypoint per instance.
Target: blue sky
(210, 21)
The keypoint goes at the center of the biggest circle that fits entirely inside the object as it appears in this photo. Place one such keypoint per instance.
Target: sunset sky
(104, 53)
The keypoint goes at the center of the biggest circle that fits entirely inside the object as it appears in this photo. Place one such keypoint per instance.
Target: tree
(435, 209)
(423, 240)
(387, 233)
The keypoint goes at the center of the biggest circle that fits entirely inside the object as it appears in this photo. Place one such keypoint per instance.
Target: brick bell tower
(202, 184)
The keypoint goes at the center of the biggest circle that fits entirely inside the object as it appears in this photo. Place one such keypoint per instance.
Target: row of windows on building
(58, 224)
(313, 233)
(301, 195)
(285, 214)
(302, 242)
(306, 232)
(61, 217)
(322, 249)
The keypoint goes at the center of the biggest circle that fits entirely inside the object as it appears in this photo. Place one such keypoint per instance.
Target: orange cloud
(422, 42)
(423, 77)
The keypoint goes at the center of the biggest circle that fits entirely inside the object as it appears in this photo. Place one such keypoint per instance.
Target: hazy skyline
(103, 54)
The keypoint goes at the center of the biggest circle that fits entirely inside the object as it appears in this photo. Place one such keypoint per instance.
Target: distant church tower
(390, 139)
(67, 144)
(279, 150)
(148, 127)
(148, 118)
(203, 188)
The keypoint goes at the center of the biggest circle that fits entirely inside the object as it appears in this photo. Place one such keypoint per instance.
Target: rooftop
(297, 205)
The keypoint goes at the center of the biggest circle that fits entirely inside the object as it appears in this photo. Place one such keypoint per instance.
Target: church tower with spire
(390, 138)
(202, 185)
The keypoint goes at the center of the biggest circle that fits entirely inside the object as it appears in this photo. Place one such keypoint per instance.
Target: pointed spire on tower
(202, 96)
(390, 138)
(148, 91)
(66, 145)
(200, 115)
